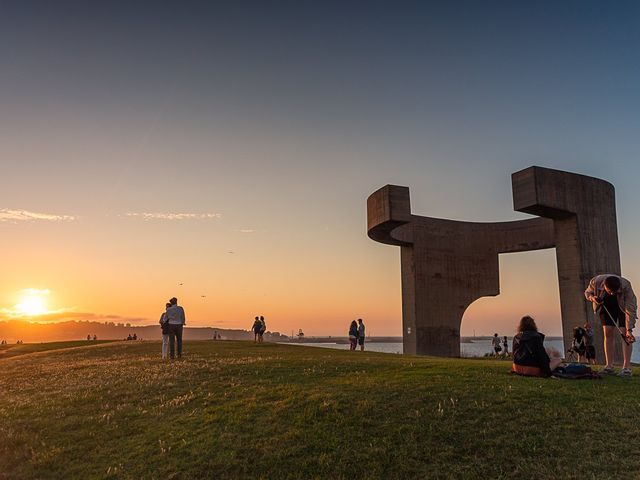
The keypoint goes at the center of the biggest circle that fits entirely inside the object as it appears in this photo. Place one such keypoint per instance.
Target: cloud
(14, 216)
(173, 216)
(247, 230)
(65, 315)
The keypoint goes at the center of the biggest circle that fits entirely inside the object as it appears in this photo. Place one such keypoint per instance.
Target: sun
(32, 302)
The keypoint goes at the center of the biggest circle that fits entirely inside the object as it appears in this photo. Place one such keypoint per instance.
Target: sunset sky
(230, 147)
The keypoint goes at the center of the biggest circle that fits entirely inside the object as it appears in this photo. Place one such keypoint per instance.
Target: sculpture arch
(448, 264)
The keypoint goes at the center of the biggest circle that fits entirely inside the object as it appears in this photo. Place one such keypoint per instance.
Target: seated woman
(529, 356)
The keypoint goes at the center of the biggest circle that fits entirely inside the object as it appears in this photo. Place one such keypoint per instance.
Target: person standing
(176, 320)
(615, 303)
(505, 346)
(263, 328)
(361, 334)
(164, 325)
(257, 326)
(495, 342)
(353, 335)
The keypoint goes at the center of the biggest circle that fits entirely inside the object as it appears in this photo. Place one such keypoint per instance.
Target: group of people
(133, 337)
(258, 328)
(94, 337)
(172, 322)
(356, 335)
(615, 305)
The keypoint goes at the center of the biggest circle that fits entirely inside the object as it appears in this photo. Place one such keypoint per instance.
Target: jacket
(528, 350)
(626, 298)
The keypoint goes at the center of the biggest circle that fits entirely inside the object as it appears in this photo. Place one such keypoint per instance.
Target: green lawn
(13, 350)
(242, 410)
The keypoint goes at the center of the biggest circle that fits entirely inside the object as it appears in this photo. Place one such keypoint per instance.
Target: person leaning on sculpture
(529, 356)
(614, 301)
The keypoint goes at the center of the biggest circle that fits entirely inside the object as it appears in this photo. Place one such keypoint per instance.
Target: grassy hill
(241, 410)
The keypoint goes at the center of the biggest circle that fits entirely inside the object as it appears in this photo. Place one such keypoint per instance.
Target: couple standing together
(356, 335)
(171, 321)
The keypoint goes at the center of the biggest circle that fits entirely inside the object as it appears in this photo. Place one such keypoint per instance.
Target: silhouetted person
(135, 336)
(361, 334)
(164, 325)
(263, 328)
(129, 337)
(176, 320)
(505, 345)
(353, 335)
(257, 326)
(88, 337)
(95, 337)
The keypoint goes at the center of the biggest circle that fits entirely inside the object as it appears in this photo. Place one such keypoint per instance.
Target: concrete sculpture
(446, 265)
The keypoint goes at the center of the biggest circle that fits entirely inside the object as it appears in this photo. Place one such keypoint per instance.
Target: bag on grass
(575, 371)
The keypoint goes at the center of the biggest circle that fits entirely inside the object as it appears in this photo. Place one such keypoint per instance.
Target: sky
(223, 152)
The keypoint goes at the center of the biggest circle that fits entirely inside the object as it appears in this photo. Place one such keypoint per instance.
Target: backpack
(575, 371)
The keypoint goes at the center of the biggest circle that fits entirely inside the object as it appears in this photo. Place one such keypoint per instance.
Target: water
(474, 348)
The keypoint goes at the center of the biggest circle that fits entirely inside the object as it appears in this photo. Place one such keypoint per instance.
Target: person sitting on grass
(529, 356)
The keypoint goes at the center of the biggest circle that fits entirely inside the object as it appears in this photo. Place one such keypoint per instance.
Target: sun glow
(32, 302)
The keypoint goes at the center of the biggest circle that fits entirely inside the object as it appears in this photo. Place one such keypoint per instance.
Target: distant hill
(14, 330)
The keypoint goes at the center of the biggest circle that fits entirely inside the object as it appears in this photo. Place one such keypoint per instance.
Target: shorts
(607, 322)
(591, 352)
(360, 340)
(526, 370)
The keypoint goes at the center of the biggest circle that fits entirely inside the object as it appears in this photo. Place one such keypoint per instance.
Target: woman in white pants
(164, 324)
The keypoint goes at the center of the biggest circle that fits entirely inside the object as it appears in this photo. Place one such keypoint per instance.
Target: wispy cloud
(172, 216)
(14, 216)
(247, 230)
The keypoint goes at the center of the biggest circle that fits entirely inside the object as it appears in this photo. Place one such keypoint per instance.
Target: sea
(470, 349)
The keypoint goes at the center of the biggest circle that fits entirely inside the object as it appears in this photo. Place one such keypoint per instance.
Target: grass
(13, 350)
(241, 410)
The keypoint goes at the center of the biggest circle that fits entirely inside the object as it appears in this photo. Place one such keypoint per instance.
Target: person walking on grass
(176, 320)
(505, 346)
(257, 326)
(361, 334)
(615, 303)
(353, 335)
(164, 325)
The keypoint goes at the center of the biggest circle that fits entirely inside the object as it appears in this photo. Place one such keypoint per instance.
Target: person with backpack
(615, 303)
(529, 355)
(578, 344)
